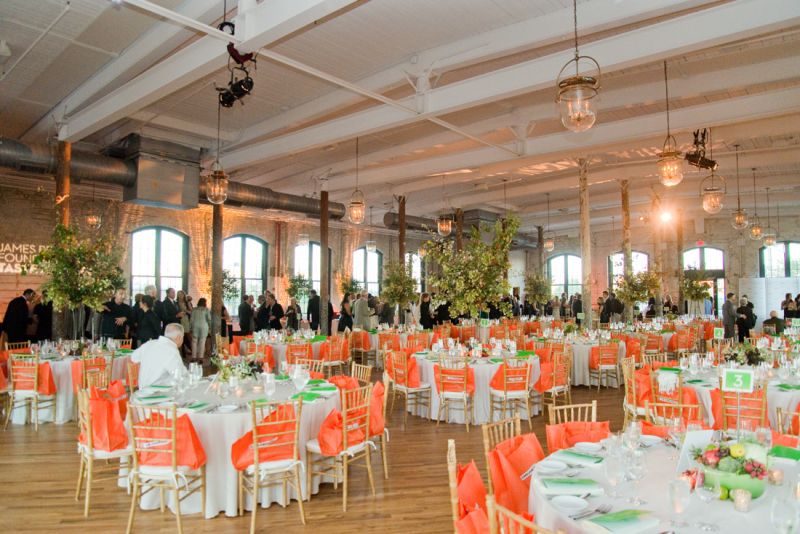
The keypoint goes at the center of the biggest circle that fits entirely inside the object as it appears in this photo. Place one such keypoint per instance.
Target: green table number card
(738, 380)
(719, 333)
(484, 323)
(581, 316)
(796, 321)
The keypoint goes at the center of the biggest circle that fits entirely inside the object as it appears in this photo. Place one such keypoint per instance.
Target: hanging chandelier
(756, 231)
(549, 243)
(357, 207)
(217, 181)
(670, 160)
(739, 221)
(421, 251)
(444, 224)
(713, 195)
(575, 93)
(770, 236)
(370, 244)
(94, 220)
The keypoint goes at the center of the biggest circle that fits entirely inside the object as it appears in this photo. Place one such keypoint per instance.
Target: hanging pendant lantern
(576, 93)
(713, 197)
(371, 245)
(444, 225)
(670, 160)
(770, 236)
(739, 220)
(756, 230)
(357, 208)
(217, 184)
(94, 220)
(549, 244)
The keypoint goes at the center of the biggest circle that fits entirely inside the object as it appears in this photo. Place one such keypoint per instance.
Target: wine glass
(300, 378)
(614, 470)
(269, 384)
(707, 492)
(764, 437)
(679, 494)
(637, 470)
(783, 515)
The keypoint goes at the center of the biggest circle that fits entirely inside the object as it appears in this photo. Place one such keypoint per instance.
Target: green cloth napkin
(670, 369)
(571, 482)
(281, 377)
(570, 486)
(780, 451)
(307, 396)
(590, 458)
(317, 339)
(156, 386)
(124, 351)
(695, 381)
(197, 406)
(323, 388)
(496, 360)
(317, 381)
(625, 521)
(789, 387)
(153, 399)
(373, 331)
(525, 353)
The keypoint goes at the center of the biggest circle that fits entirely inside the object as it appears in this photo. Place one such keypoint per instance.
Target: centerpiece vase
(733, 481)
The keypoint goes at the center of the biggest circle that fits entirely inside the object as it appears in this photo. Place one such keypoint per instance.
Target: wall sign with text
(13, 256)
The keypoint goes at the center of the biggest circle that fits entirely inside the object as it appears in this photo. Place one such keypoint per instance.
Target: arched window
(780, 260)
(159, 257)
(307, 261)
(616, 266)
(417, 269)
(245, 259)
(368, 269)
(704, 259)
(565, 274)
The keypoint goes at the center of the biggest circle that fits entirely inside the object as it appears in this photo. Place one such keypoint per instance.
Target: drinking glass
(269, 384)
(764, 437)
(784, 515)
(637, 470)
(300, 377)
(614, 470)
(679, 494)
(707, 493)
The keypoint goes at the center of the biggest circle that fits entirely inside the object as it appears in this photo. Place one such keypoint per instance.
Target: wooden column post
(679, 259)
(586, 242)
(325, 282)
(216, 271)
(658, 261)
(459, 229)
(540, 250)
(401, 238)
(626, 239)
(62, 319)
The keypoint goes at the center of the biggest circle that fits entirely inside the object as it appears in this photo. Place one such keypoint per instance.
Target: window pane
(143, 253)
(373, 289)
(416, 269)
(358, 266)
(574, 270)
(691, 259)
(617, 264)
(373, 262)
(301, 260)
(171, 254)
(315, 264)
(557, 270)
(138, 283)
(254, 287)
(713, 259)
(640, 262)
(174, 282)
(774, 261)
(558, 289)
(232, 256)
(254, 259)
(794, 259)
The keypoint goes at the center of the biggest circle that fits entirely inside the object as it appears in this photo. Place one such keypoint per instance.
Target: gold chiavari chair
(607, 365)
(337, 355)
(561, 390)
(748, 407)
(276, 431)
(569, 413)
(18, 346)
(467, 332)
(516, 390)
(651, 358)
(154, 432)
(452, 386)
(653, 344)
(298, 351)
(95, 371)
(24, 384)
(632, 410)
(125, 343)
(313, 366)
(417, 342)
(788, 422)
(502, 520)
(133, 376)
(223, 347)
(414, 397)
(494, 433)
(355, 419)
(387, 341)
(659, 395)
(357, 341)
(452, 477)
(362, 373)
(663, 413)
(89, 454)
(381, 441)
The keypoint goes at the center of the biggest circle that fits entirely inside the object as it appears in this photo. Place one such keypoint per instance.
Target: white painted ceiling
(743, 80)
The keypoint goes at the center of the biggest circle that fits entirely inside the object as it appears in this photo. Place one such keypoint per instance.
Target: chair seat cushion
(511, 394)
(455, 395)
(608, 367)
(557, 389)
(105, 455)
(160, 471)
(638, 410)
(422, 387)
(276, 466)
(29, 394)
(313, 446)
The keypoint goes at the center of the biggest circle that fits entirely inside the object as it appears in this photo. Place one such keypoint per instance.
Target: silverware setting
(601, 510)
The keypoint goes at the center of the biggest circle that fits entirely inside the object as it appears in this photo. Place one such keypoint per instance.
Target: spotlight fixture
(238, 87)
(698, 157)
(575, 94)
(357, 205)
(670, 164)
(756, 230)
(739, 220)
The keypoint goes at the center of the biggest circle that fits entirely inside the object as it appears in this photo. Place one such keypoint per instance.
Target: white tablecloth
(65, 395)
(581, 351)
(483, 375)
(218, 432)
(654, 490)
(279, 351)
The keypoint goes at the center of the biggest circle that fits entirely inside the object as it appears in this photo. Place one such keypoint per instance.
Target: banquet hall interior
(415, 266)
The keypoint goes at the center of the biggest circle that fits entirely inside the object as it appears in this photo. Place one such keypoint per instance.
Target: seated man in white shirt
(160, 357)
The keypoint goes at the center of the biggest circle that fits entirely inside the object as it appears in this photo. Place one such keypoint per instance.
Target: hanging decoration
(217, 181)
(713, 195)
(756, 231)
(94, 219)
(444, 224)
(670, 160)
(739, 221)
(357, 207)
(770, 236)
(549, 243)
(575, 93)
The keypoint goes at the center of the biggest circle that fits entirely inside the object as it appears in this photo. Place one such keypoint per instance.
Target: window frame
(611, 280)
(157, 258)
(365, 283)
(787, 259)
(242, 279)
(702, 253)
(566, 283)
(409, 259)
(310, 266)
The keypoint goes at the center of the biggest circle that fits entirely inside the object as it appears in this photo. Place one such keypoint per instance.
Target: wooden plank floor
(38, 472)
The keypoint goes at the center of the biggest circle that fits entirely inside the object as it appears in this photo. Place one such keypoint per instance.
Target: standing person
(116, 317)
(425, 312)
(788, 306)
(185, 311)
(361, 311)
(43, 311)
(744, 319)
(752, 308)
(293, 314)
(200, 327)
(313, 310)
(345, 317)
(246, 315)
(158, 306)
(577, 307)
(729, 316)
(149, 326)
(386, 314)
(330, 317)
(170, 307)
(136, 314)
(18, 317)
(275, 313)
(262, 314)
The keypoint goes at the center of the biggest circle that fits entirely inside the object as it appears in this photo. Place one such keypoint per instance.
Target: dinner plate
(227, 408)
(648, 440)
(570, 504)
(550, 466)
(588, 447)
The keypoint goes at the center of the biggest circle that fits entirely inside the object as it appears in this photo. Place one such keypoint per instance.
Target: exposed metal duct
(42, 159)
(391, 220)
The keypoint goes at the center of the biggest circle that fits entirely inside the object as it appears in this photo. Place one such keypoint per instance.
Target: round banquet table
(484, 371)
(61, 369)
(581, 351)
(219, 431)
(661, 469)
(279, 350)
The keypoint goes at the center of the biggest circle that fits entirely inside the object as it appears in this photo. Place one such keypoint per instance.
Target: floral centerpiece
(399, 286)
(734, 465)
(743, 354)
(239, 367)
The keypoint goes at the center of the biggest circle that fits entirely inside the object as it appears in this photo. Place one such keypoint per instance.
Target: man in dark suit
(313, 310)
(171, 313)
(246, 315)
(17, 318)
(577, 307)
(43, 311)
(275, 313)
(117, 317)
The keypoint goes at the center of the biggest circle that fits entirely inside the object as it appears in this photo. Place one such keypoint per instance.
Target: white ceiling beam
(145, 50)
(263, 24)
(714, 26)
(532, 33)
(180, 125)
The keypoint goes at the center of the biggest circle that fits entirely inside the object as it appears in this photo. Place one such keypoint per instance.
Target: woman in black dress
(345, 316)
(744, 320)
(149, 324)
(425, 313)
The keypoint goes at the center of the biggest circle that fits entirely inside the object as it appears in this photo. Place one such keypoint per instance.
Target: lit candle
(776, 476)
(741, 500)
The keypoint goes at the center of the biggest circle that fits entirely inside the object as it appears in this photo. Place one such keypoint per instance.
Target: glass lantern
(217, 185)
(549, 244)
(575, 96)
(712, 195)
(94, 220)
(302, 240)
(371, 245)
(756, 230)
(670, 163)
(357, 208)
(739, 221)
(770, 237)
(444, 225)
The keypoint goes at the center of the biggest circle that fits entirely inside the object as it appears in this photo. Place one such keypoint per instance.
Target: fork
(602, 509)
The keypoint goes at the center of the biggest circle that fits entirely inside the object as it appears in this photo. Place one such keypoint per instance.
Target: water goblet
(679, 494)
(707, 492)
(300, 377)
(637, 470)
(614, 470)
(269, 384)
